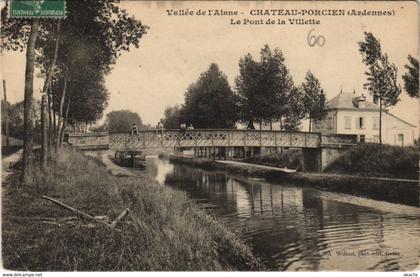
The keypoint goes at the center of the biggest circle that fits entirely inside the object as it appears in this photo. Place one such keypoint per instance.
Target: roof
(349, 100)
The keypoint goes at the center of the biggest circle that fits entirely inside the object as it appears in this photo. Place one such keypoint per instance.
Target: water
(294, 228)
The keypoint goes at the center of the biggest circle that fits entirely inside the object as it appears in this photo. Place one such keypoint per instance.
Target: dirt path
(6, 162)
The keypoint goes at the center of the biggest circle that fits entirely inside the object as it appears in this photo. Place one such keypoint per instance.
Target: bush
(367, 159)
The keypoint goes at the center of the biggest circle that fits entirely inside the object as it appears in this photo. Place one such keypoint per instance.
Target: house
(348, 113)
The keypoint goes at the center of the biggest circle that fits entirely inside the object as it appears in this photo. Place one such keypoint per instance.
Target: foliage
(296, 111)
(381, 74)
(120, 121)
(263, 88)
(173, 117)
(209, 102)
(367, 160)
(87, 96)
(411, 77)
(313, 99)
(82, 51)
(15, 118)
(164, 231)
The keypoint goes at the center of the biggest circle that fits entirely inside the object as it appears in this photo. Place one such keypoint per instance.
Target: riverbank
(364, 159)
(401, 191)
(164, 230)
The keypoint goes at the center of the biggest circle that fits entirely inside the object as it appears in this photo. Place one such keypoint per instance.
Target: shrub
(367, 159)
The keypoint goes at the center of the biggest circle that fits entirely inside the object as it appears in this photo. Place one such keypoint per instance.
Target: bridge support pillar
(317, 159)
(312, 160)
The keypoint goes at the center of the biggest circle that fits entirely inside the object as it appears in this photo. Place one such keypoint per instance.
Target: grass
(164, 230)
(364, 159)
(367, 159)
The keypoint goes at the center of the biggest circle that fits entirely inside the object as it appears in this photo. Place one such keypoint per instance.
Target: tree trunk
(50, 124)
(44, 133)
(60, 116)
(380, 122)
(50, 72)
(64, 121)
(310, 123)
(54, 129)
(6, 114)
(251, 124)
(47, 85)
(27, 114)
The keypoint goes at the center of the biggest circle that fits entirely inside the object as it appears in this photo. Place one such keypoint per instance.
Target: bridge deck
(220, 138)
(216, 138)
(206, 138)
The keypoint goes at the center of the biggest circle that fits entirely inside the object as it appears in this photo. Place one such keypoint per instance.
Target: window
(375, 123)
(362, 138)
(347, 122)
(400, 140)
(360, 123)
(376, 138)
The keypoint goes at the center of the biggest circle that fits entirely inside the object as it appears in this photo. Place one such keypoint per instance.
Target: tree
(411, 77)
(86, 98)
(28, 100)
(381, 76)
(209, 102)
(85, 57)
(263, 88)
(295, 110)
(247, 91)
(120, 121)
(313, 99)
(111, 30)
(173, 117)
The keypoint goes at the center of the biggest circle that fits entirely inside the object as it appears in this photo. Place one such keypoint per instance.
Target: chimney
(361, 102)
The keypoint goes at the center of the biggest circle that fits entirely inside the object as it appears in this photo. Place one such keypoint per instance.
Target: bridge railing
(340, 140)
(213, 137)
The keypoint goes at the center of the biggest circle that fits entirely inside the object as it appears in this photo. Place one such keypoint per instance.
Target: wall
(327, 125)
(391, 126)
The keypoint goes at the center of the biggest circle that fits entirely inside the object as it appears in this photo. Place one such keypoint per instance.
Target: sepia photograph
(162, 136)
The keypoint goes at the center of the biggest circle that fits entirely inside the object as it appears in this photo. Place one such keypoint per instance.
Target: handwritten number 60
(312, 39)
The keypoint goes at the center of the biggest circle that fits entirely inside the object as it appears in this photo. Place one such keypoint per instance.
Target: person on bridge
(159, 129)
(133, 130)
(191, 127)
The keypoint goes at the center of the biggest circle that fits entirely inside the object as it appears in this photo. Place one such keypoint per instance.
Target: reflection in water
(295, 228)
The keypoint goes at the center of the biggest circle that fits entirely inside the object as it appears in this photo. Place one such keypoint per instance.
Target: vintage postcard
(209, 136)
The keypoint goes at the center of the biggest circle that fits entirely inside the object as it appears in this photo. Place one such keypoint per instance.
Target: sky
(177, 49)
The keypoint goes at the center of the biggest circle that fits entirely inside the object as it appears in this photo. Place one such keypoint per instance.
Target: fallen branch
(79, 213)
(120, 217)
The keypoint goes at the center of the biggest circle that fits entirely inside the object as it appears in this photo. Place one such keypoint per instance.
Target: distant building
(352, 114)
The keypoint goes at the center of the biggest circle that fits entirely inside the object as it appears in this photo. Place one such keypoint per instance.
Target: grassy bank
(391, 190)
(364, 159)
(367, 159)
(164, 231)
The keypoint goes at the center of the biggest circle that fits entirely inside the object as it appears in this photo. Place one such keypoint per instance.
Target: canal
(295, 228)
